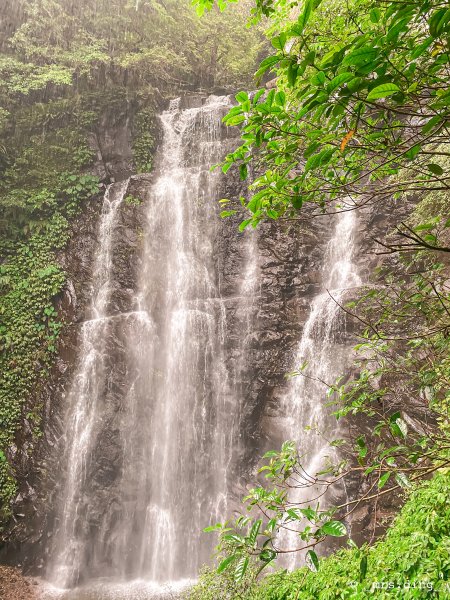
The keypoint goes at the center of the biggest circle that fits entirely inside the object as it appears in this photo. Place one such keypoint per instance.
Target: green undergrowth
(30, 279)
(412, 561)
(144, 139)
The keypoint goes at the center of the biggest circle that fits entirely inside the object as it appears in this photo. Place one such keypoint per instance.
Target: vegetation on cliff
(357, 116)
(410, 562)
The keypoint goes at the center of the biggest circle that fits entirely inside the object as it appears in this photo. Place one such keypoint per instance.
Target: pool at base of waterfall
(110, 590)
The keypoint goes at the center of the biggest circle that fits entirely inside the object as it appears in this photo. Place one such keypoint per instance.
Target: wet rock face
(112, 143)
(39, 484)
(11, 16)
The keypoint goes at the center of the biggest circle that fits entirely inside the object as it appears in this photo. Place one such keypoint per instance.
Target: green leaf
(435, 169)
(319, 78)
(398, 425)
(360, 56)
(312, 561)
(319, 159)
(242, 97)
(237, 120)
(216, 527)
(362, 447)
(254, 204)
(334, 528)
(402, 480)
(309, 513)
(305, 15)
(375, 15)
(383, 480)
(297, 202)
(382, 91)
(279, 41)
(244, 224)
(254, 532)
(339, 80)
(427, 227)
(267, 555)
(243, 171)
(422, 47)
(363, 568)
(257, 96)
(413, 152)
(241, 569)
(429, 126)
(280, 98)
(226, 562)
(266, 64)
(397, 28)
(438, 21)
(233, 537)
(292, 73)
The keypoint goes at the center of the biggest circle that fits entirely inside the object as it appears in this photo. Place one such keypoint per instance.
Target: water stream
(323, 354)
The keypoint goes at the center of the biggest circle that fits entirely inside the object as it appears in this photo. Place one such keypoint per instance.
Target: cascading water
(323, 351)
(176, 422)
(176, 469)
(84, 397)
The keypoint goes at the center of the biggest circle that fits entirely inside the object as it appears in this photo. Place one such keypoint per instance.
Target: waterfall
(152, 384)
(84, 397)
(324, 353)
(157, 414)
(176, 469)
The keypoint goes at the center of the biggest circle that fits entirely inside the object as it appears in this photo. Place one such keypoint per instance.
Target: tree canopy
(360, 109)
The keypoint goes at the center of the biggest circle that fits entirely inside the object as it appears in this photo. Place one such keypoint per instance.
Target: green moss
(132, 200)
(29, 324)
(434, 203)
(144, 140)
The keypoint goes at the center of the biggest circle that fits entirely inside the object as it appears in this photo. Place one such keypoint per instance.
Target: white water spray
(325, 357)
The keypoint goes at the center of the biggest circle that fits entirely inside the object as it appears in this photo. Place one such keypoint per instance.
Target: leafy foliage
(86, 43)
(42, 189)
(29, 323)
(144, 140)
(361, 92)
(357, 116)
(411, 562)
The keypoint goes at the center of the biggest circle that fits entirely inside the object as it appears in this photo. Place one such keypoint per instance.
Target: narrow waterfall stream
(84, 400)
(323, 351)
(155, 380)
